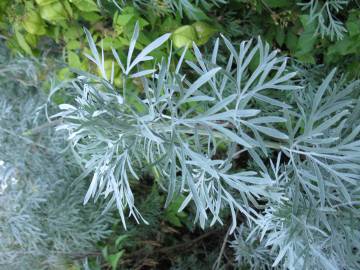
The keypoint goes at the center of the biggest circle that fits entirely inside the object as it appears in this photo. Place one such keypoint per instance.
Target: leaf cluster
(43, 221)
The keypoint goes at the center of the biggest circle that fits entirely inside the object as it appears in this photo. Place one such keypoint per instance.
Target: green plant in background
(347, 49)
(113, 259)
(310, 31)
(62, 21)
(305, 29)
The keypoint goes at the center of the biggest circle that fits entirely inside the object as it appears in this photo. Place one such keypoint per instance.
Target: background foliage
(220, 126)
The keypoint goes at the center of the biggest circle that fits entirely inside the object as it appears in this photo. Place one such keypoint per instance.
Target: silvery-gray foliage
(43, 222)
(177, 128)
(324, 14)
(190, 8)
(250, 251)
(300, 198)
(317, 227)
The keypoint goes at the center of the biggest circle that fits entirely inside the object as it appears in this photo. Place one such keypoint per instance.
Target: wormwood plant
(299, 196)
(43, 224)
(234, 137)
(186, 129)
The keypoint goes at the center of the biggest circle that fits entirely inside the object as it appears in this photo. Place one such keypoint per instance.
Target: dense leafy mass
(179, 134)
(43, 220)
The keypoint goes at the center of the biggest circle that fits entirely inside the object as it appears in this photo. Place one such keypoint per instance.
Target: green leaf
(85, 5)
(184, 36)
(45, 2)
(74, 60)
(73, 45)
(31, 40)
(114, 259)
(344, 47)
(22, 42)
(122, 20)
(307, 40)
(55, 12)
(203, 31)
(92, 17)
(33, 23)
(193, 12)
(172, 215)
(108, 42)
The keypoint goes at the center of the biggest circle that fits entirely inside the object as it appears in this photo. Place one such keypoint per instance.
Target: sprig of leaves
(325, 16)
(316, 227)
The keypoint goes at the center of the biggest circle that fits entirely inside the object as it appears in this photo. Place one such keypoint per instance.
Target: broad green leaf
(184, 36)
(203, 31)
(56, 12)
(33, 23)
(85, 5)
(74, 60)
